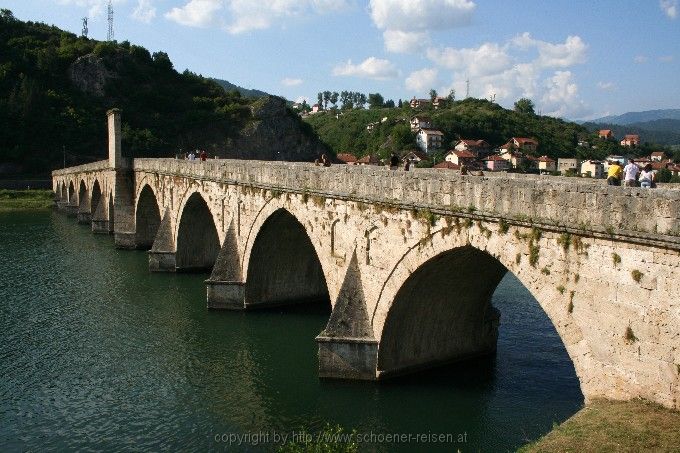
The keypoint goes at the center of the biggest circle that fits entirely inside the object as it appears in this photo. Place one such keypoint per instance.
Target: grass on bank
(22, 200)
(614, 426)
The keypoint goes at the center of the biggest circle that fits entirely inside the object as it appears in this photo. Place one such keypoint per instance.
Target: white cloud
(669, 7)
(406, 23)
(572, 52)
(405, 41)
(370, 68)
(666, 58)
(289, 82)
(521, 67)
(639, 59)
(423, 80)
(144, 12)
(421, 15)
(606, 86)
(196, 13)
(489, 58)
(250, 15)
(561, 97)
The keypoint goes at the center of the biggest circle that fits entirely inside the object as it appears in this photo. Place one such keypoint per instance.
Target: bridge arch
(198, 241)
(281, 263)
(96, 196)
(436, 303)
(147, 217)
(71, 193)
(83, 197)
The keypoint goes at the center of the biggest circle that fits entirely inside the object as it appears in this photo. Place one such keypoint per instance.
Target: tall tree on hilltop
(334, 98)
(433, 94)
(375, 100)
(326, 98)
(319, 98)
(525, 106)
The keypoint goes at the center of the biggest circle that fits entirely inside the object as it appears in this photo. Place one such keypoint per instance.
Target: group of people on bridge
(632, 175)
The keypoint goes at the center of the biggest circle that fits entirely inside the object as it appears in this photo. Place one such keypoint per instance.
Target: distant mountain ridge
(639, 117)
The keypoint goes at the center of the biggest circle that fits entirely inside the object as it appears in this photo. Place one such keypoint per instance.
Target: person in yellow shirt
(614, 173)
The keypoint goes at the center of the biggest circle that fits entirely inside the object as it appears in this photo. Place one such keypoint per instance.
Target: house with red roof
(478, 147)
(631, 140)
(419, 103)
(496, 163)
(605, 134)
(523, 144)
(420, 121)
(546, 165)
(346, 158)
(368, 160)
(460, 157)
(658, 156)
(445, 164)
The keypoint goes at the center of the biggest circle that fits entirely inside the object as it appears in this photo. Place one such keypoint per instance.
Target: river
(96, 353)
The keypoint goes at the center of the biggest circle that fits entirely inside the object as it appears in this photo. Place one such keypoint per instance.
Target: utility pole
(467, 88)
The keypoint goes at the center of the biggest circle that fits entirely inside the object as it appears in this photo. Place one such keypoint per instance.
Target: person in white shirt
(630, 173)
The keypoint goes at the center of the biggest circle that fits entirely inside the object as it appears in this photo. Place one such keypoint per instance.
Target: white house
(420, 122)
(566, 164)
(592, 169)
(429, 139)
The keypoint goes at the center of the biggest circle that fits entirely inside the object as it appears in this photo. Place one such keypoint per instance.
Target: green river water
(96, 353)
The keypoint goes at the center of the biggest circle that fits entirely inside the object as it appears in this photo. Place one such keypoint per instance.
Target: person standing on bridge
(630, 173)
(394, 161)
(204, 156)
(614, 173)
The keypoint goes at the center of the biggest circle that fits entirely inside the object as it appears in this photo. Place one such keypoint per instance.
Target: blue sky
(575, 59)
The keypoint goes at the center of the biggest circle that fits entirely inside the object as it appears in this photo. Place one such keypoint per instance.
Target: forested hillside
(346, 131)
(56, 87)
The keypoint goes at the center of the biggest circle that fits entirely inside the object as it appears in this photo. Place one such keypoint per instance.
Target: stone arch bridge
(409, 260)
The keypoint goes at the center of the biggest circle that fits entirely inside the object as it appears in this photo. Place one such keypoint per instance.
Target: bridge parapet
(573, 204)
(85, 168)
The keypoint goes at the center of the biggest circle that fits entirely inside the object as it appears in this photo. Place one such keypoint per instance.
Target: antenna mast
(84, 32)
(109, 36)
(467, 88)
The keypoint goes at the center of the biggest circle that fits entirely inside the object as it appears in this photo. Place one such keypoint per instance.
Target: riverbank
(618, 426)
(24, 200)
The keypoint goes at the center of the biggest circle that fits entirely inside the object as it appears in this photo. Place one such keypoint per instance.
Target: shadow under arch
(96, 196)
(283, 266)
(147, 218)
(198, 242)
(442, 313)
(71, 193)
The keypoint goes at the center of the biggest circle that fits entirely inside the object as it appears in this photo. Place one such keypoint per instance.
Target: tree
(389, 104)
(334, 98)
(525, 106)
(433, 94)
(452, 96)
(326, 98)
(319, 98)
(375, 100)
(664, 175)
(400, 104)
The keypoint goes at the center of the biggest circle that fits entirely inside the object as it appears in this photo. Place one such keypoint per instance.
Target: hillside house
(497, 163)
(346, 158)
(420, 122)
(429, 139)
(316, 108)
(440, 103)
(414, 156)
(370, 127)
(523, 144)
(515, 158)
(368, 160)
(631, 140)
(546, 165)
(480, 148)
(460, 157)
(658, 156)
(605, 134)
(419, 103)
(565, 165)
(592, 169)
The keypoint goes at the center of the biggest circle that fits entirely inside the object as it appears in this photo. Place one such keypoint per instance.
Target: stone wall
(572, 203)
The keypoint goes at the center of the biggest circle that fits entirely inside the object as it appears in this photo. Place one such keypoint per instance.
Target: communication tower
(109, 36)
(84, 32)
